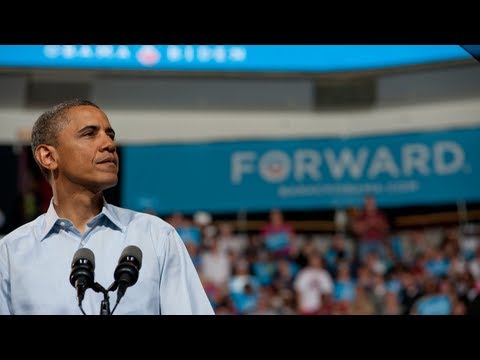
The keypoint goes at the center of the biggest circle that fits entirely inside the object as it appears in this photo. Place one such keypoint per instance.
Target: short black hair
(48, 125)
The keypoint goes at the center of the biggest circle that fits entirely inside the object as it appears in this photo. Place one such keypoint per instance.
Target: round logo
(148, 55)
(275, 166)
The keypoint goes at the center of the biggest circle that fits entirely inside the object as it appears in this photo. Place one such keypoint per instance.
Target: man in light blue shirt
(73, 143)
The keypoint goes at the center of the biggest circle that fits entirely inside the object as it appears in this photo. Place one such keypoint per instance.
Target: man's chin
(105, 185)
(110, 185)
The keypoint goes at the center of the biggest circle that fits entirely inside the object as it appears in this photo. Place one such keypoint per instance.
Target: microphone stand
(105, 304)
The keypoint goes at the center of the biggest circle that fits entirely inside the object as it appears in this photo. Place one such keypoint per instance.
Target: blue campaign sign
(400, 170)
(269, 58)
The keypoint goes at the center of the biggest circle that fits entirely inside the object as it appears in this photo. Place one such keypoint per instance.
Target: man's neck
(79, 208)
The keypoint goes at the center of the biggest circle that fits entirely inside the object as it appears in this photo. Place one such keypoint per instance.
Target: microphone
(126, 273)
(82, 274)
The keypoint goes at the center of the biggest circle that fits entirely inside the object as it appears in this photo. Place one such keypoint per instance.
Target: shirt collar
(51, 218)
(111, 214)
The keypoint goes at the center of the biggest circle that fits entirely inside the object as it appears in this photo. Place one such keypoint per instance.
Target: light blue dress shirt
(35, 265)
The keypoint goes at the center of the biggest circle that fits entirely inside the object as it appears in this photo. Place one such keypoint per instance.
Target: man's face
(86, 151)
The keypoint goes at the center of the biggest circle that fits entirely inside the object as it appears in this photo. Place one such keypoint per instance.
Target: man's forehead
(81, 116)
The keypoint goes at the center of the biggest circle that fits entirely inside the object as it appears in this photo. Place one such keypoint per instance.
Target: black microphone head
(134, 253)
(83, 266)
(84, 253)
(129, 264)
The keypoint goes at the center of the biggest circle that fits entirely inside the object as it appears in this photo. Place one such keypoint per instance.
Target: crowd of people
(369, 269)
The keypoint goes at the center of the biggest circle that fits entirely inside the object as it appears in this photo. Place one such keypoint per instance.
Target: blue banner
(275, 58)
(400, 170)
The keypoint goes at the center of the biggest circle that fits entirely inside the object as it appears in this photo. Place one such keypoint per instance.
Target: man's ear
(46, 155)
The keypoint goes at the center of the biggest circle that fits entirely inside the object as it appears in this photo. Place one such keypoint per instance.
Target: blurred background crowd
(364, 267)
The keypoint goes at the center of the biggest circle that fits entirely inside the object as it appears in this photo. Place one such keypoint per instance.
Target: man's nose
(108, 143)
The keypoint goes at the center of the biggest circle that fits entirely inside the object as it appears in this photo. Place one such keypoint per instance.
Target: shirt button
(62, 223)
